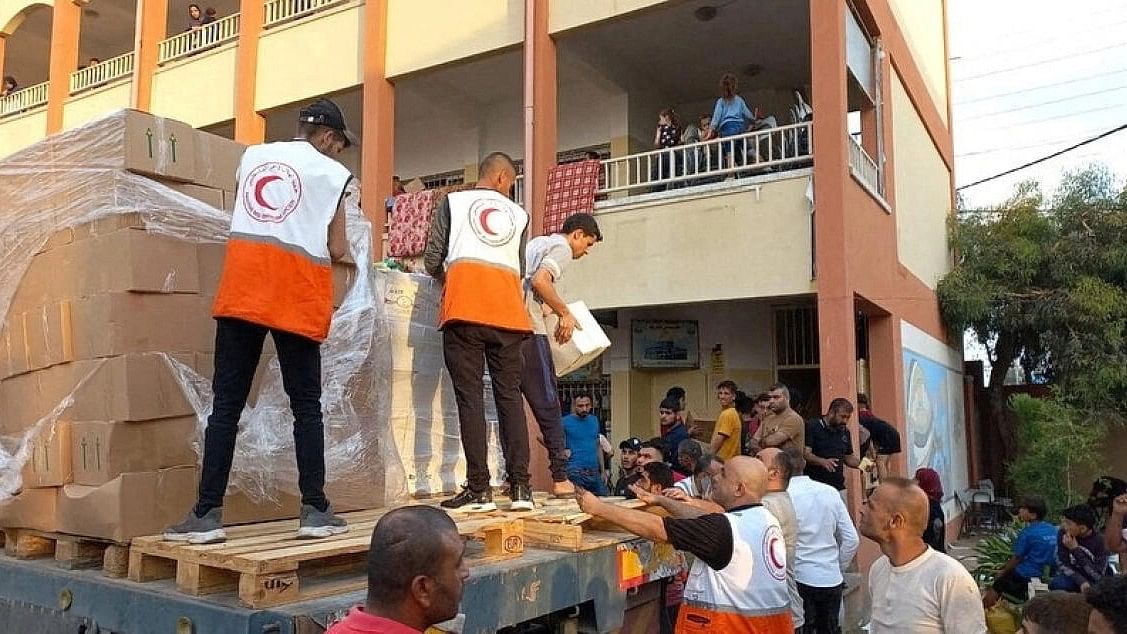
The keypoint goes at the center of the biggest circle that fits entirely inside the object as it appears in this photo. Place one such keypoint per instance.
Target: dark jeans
(238, 347)
(538, 383)
(589, 479)
(820, 607)
(1063, 582)
(468, 348)
(1012, 586)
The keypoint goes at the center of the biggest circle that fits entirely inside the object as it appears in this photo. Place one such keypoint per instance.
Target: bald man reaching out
(914, 588)
(738, 582)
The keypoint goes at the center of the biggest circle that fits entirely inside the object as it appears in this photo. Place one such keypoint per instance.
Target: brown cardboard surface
(132, 504)
(32, 508)
(344, 497)
(156, 146)
(414, 186)
(18, 360)
(217, 161)
(206, 195)
(131, 387)
(50, 461)
(49, 335)
(123, 260)
(210, 256)
(229, 200)
(102, 450)
(58, 239)
(119, 323)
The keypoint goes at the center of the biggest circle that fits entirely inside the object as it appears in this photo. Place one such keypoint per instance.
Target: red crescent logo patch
(271, 192)
(493, 224)
(775, 553)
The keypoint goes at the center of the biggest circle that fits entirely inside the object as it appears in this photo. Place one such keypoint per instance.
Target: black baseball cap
(326, 113)
(634, 444)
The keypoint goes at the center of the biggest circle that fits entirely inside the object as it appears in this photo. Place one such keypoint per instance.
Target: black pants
(820, 608)
(468, 348)
(1012, 586)
(238, 348)
(538, 383)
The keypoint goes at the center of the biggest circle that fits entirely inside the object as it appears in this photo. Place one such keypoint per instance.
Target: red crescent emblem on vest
(494, 224)
(774, 553)
(259, 186)
(484, 219)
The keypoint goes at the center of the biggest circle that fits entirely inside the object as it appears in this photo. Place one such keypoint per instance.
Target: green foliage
(993, 551)
(1054, 441)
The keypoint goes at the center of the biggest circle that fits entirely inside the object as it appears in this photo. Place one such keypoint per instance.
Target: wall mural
(936, 435)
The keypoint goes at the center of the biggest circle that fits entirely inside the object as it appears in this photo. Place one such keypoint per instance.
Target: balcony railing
(279, 11)
(205, 37)
(25, 99)
(518, 189)
(101, 73)
(864, 168)
(710, 161)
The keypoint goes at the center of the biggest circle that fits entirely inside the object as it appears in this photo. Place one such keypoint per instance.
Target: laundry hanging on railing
(571, 190)
(410, 222)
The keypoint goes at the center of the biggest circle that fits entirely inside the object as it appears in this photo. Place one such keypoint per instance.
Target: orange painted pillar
(152, 25)
(886, 371)
(250, 126)
(836, 333)
(66, 18)
(541, 117)
(3, 49)
(377, 148)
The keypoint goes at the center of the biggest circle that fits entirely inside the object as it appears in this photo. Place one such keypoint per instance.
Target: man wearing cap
(630, 470)
(287, 227)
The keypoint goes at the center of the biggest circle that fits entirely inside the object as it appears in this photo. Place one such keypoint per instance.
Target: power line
(1045, 158)
(1059, 117)
(1044, 103)
(1040, 87)
(1043, 61)
(1036, 42)
(1015, 148)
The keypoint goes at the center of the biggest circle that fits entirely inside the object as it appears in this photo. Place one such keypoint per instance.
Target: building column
(836, 320)
(886, 359)
(3, 51)
(66, 19)
(152, 24)
(377, 148)
(540, 114)
(250, 126)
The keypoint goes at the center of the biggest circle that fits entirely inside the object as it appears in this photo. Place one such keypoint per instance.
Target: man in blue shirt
(673, 431)
(581, 431)
(1034, 550)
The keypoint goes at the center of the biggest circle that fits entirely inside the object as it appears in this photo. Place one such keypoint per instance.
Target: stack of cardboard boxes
(85, 349)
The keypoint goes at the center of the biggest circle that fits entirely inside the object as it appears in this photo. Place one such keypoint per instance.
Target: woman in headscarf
(936, 532)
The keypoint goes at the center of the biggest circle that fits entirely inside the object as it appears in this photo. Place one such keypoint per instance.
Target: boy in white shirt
(913, 588)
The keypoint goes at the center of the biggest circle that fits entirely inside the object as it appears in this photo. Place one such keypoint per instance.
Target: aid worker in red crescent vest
(287, 227)
(476, 246)
(738, 582)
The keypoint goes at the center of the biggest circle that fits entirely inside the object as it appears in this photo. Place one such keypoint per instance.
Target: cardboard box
(132, 504)
(49, 335)
(16, 342)
(120, 323)
(102, 450)
(156, 146)
(59, 238)
(131, 387)
(414, 186)
(229, 200)
(217, 161)
(123, 260)
(36, 509)
(206, 195)
(50, 462)
(586, 343)
(210, 256)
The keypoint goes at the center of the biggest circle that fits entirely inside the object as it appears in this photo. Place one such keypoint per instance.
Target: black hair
(659, 473)
(797, 458)
(1080, 514)
(414, 538)
(782, 387)
(1109, 598)
(655, 443)
(1035, 504)
(862, 399)
(670, 403)
(691, 448)
(583, 222)
(840, 405)
(675, 392)
(729, 385)
(581, 395)
(495, 161)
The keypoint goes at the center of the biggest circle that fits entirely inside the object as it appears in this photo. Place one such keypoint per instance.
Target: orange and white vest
(750, 594)
(483, 262)
(277, 272)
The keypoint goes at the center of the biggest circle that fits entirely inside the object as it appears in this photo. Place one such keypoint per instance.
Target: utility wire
(1045, 158)
(1040, 87)
(1014, 148)
(1042, 61)
(1037, 42)
(1039, 104)
(1059, 117)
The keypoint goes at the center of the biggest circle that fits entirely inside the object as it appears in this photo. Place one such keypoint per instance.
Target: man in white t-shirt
(914, 588)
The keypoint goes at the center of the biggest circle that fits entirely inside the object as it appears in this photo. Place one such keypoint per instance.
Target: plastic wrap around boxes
(110, 252)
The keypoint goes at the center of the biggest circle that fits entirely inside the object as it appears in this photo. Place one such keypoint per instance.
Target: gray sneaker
(318, 524)
(199, 530)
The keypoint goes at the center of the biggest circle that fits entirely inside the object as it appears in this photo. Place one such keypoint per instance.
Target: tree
(1046, 285)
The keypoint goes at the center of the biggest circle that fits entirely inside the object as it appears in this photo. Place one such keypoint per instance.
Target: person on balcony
(666, 135)
(730, 117)
(10, 86)
(195, 18)
(209, 16)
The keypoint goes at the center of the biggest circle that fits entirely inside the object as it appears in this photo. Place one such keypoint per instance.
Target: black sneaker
(472, 501)
(521, 495)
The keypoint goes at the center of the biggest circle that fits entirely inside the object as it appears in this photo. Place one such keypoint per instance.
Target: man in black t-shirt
(829, 445)
(630, 471)
(884, 439)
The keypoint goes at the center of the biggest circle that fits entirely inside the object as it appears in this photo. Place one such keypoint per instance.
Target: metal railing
(205, 37)
(864, 168)
(714, 160)
(518, 189)
(101, 73)
(278, 11)
(24, 99)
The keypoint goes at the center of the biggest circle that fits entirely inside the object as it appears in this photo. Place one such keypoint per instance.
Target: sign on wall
(656, 343)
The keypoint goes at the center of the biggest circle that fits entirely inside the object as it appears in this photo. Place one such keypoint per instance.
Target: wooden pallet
(69, 551)
(267, 565)
(559, 524)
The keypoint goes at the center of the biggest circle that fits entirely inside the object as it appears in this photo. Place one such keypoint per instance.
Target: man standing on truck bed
(287, 226)
(475, 247)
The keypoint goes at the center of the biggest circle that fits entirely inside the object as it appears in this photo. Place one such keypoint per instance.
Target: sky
(1030, 77)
